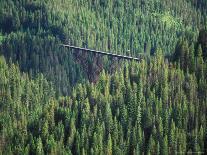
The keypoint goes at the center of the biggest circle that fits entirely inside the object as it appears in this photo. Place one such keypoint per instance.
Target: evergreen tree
(39, 147)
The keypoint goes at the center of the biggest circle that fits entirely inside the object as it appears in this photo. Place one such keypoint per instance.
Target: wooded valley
(55, 100)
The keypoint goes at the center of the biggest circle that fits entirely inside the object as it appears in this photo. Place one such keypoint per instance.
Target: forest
(55, 100)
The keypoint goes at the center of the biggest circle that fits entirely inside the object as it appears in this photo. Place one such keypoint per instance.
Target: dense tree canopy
(33, 30)
(152, 107)
(58, 101)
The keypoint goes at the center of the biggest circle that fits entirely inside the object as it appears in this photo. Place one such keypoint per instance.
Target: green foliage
(1, 38)
(168, 20)
(156, 106)
(34, 30)
(202, 40)
(140, 118)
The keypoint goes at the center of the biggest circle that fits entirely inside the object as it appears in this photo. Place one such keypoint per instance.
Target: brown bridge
(102, 53)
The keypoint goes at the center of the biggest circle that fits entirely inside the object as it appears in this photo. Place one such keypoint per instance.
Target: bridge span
(102, 53)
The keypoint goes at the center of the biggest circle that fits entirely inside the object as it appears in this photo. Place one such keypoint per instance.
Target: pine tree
(158, 148)
(164, 149)
(200, 63)
(109, 145)
(201, 138)
(39, 147)
(203, 42)
(151, 146)
(108, 118)
(191, 63)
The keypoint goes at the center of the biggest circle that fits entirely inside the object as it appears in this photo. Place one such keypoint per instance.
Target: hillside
(143, 108)
(55, 100)
(32, 31)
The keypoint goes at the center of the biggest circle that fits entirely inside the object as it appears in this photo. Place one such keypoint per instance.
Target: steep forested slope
(48, 104)
(154, 107)
(32, 31)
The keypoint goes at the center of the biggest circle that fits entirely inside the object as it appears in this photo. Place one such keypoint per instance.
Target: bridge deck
(103, 53)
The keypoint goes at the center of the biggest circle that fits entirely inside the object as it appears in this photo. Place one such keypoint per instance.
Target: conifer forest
(61, 101)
